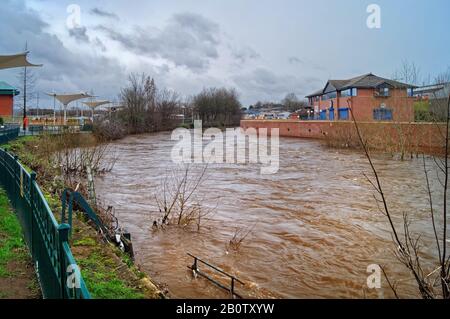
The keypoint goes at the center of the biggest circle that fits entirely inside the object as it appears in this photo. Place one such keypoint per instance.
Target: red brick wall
(402, 106)
(6, 105)
(364, 104)
(415, 137)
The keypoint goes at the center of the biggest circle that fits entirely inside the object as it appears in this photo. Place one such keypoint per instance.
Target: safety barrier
(196, 270)
(8, 133)
(47, 240)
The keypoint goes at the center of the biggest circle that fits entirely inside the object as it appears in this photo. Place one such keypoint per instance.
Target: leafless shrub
(70, 155)
(109, 128)
(73, 162)
(239, 236)
(179, 200)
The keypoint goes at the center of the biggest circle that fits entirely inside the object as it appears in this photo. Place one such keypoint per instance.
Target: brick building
(7, 93)
(373, 99)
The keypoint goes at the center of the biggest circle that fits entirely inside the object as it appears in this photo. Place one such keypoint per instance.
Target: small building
(434, 91)
(435, 97)
(283, 115)
(7, 94)
(371, 97)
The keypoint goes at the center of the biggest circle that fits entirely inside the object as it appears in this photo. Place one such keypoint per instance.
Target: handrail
(196, 270)
(8, 133)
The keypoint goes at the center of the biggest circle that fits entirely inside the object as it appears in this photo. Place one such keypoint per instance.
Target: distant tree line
(291, 103)
(217, 107)
(145, 108)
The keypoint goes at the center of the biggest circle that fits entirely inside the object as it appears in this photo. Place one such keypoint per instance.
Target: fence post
(232, 287)
(63, 231)
(32, 180)
(15, 178)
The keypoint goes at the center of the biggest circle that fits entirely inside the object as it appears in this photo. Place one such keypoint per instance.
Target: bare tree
(179, 200)
(408, 245)
(145, 108)
(408, 73)
(27, 81)
(218, 106)
(292, 103)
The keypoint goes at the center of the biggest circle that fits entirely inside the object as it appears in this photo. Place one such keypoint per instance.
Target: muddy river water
(315, 224)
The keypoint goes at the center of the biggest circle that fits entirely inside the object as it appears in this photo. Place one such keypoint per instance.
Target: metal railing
(47, 240)
(8, 133)
(233, 279)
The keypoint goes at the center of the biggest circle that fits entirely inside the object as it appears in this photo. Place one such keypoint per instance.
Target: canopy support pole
(65, 114)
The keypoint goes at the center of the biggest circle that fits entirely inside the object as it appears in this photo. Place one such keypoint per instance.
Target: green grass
(102, 278)
(12, 245)
(107, 273)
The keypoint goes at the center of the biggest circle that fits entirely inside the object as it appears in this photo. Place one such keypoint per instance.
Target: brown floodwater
(315, 224)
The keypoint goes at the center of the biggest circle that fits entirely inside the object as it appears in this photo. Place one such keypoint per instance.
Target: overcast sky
(265, 49)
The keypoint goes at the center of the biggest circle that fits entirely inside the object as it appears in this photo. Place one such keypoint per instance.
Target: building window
(343, 113)
(328, 96)
(382, 114)
(410, 92)
(346, 93)
(382, 92)
(349, 92)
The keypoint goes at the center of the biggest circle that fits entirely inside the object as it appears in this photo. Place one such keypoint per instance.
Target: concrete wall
(386, 136)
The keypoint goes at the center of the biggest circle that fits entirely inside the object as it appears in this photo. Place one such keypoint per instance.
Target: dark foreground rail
(47, 240)
(8, 133)
(196, 270)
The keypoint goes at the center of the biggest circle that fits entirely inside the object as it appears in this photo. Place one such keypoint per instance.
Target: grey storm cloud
(80, 34)
(263, 84)
(103, 13)
(63, 70)
(244, 54)
(188, 40)
(295, 60)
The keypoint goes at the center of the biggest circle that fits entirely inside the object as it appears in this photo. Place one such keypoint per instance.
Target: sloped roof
(365, 81)
(5, 88)
(338, 84)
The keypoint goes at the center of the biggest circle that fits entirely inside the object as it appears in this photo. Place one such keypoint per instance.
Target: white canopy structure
(16, 61)
(94, 104)
(65, 99)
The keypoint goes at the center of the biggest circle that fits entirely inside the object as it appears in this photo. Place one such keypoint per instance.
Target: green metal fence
(47, 240)
(8, 134)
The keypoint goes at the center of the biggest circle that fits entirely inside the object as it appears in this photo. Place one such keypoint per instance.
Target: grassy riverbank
(108, 273)
(17, 275)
